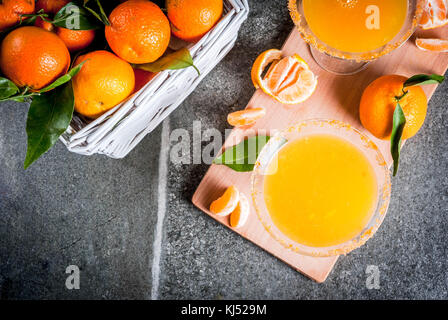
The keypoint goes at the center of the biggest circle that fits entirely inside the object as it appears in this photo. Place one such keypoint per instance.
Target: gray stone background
(100, 214)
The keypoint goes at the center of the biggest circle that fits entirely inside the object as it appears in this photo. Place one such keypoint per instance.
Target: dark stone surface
(100, 214)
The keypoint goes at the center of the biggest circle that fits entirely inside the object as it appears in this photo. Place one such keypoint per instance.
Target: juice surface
(355, 25)
(323, 192)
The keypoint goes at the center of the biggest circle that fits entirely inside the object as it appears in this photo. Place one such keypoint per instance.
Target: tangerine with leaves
(75, 40)
(104, 81)
(11, 10)
(379, 101)
(32, 57)
(139, 31)
(191, 19)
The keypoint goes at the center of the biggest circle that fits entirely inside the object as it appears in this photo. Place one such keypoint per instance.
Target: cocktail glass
(340, 130)
(346, 63)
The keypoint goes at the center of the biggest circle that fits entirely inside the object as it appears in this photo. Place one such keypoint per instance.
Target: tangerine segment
(240, 215)
(245, 117)
(435, 45)
(435, 14)
(227, 203)
(262, 61)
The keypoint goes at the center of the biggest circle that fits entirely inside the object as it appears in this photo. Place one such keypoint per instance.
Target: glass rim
(321, 46)
(382, 203)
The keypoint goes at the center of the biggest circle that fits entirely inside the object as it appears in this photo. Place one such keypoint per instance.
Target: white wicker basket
(119, 130)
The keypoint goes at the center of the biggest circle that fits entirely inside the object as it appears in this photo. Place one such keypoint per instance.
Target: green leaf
(48, 118)
(180, 59)
(399, 122)
(243, 156)
(64, 79)
(423, 79)
(100, 16)
(7, 88)
(74, 17)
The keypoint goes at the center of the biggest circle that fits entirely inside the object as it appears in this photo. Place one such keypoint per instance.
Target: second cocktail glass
(345, 35)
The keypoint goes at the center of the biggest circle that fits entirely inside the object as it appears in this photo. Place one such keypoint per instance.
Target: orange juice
(323, 191)
(355, 26)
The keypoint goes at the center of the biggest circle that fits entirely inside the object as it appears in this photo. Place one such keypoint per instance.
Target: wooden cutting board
(336, 97)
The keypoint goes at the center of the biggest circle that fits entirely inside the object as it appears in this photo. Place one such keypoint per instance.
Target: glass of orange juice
(344, 35)
(323, 193)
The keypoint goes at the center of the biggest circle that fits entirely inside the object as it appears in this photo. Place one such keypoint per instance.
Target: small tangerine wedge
(239, 216)
(435, 14)
(245, 117)
(289, 81)
(435, 45)
(227, 203)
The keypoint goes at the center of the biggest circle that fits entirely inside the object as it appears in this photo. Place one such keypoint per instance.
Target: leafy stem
(100, 16)
(399, 118)
(398, 98)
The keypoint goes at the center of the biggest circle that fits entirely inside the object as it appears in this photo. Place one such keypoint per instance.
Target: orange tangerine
(11, 11)
(435, 14)
(33, 57)
(191, 19)
(289, 80)
(245, 117)
(139, 31)
(227, 203)
(240, 215)
(75, 40)
(104, 81)
(378, 105)
(435, 45)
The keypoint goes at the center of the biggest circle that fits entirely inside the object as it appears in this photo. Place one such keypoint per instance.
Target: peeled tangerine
(435, 14)
(227, 203)
(239, 216)
(289, 80)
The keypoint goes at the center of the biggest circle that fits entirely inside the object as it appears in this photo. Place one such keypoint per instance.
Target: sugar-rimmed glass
(346, 63)
(340, 130)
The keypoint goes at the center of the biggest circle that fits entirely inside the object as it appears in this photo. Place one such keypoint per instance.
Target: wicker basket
(119, 130)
